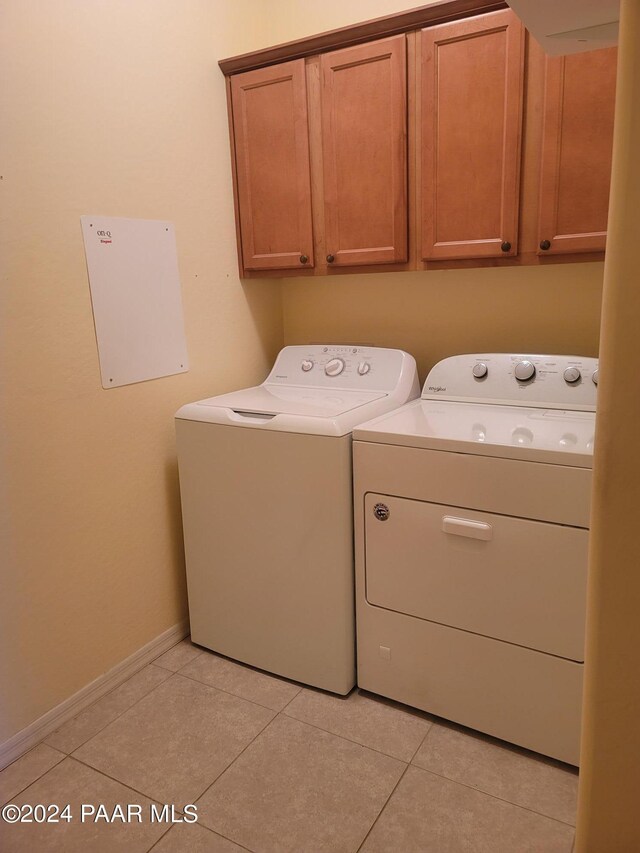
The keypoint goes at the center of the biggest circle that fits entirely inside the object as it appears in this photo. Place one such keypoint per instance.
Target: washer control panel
(548, 381)
(341, 366)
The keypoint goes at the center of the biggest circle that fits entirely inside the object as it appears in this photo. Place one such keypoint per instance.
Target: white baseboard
(53, 719)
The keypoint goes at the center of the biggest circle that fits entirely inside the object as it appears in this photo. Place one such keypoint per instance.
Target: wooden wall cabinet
(470, 129)
(440, 137)
(273, 188)
(577, 141)
(364, 152)
(345, 134)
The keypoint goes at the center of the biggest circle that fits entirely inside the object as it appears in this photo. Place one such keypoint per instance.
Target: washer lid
(555, 436)
(271, 399)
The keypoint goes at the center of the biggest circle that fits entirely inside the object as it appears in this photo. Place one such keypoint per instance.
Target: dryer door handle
(467, 527)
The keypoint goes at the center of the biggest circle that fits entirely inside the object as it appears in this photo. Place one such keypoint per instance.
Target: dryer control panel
(516, 379)
(361, 368)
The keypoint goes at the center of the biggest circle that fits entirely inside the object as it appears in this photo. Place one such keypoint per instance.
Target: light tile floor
(274, 767)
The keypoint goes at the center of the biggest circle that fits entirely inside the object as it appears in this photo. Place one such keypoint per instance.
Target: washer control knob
(306, 365)
(571, 375)
(334, 367)
(594, 376)
(480, 370)
(363, 368)
(525, 370)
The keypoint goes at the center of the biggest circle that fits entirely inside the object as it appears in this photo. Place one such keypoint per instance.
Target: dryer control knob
(480, 370)
(594, 376)
(571, 375)
(306, 365)
(334, 367)
(363, 368)
(525, 370)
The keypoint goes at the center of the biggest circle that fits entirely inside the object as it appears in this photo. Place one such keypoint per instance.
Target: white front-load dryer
(471, 520)
(266, 490)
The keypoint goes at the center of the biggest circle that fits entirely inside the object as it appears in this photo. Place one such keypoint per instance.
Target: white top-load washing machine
(472, 517)
(266, 488)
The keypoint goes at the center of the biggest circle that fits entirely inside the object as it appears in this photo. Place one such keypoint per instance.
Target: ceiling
(570, 26)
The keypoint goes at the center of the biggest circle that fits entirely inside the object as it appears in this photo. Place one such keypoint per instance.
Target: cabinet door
(272, 166)
(364, 149)
(470, 136)
(576, 152)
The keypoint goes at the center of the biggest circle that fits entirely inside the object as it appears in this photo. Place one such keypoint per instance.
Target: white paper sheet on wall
(135, 294)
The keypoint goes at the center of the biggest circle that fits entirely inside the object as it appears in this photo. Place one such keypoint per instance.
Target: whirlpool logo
(437, 388)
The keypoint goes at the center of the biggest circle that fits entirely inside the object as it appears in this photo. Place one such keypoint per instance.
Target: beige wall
(293, 19)
(608, 820)
(113, 108)
(435, 314)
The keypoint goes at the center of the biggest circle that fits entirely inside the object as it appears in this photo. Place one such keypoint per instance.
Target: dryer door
(508, 578)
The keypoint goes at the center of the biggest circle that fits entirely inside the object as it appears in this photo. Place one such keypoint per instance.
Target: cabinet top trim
(411, 19)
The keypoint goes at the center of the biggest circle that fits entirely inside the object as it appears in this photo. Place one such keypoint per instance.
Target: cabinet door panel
(471, 118)
(272, 163)
(576, 151)
(364, 120)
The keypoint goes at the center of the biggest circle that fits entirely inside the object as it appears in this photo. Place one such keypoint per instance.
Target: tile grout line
(173, 674)
(226, 837)
(282, 710)
(356, 743)
(233, 761)
(333, 734)
(65, 754)
(314, 725)
(128, 788)
(158, 839)
(144, 696)
(494, 797)
(95, 734)
(154, 800)
(237, 695)
(422, 742)
(119, 781)
(110, 693)
(206, 829)
(70, 754)
(359, 849)
(384, 805)
(174, 671)
(197, 796)
(350, 740)
(244, 666)
(33, 781)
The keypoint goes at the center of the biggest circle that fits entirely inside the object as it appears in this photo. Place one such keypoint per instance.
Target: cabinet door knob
(545, 244)
(506, 246)
(304, 259)
(330, 259)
